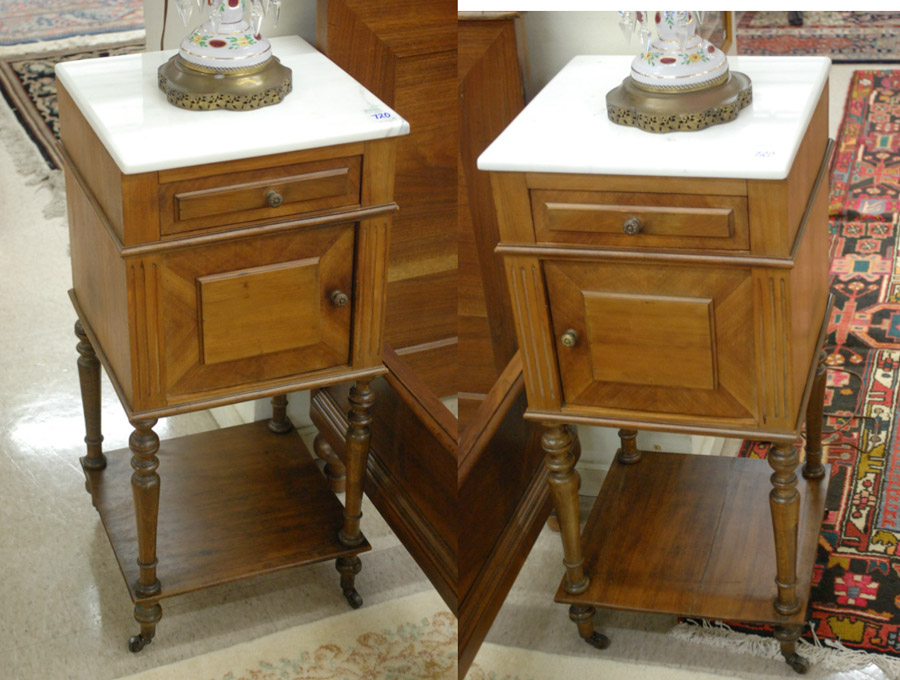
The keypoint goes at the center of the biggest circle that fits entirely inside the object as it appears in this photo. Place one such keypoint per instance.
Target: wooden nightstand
(217, 257)
(677, 283)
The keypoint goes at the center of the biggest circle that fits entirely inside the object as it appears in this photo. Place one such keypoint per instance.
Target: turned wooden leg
(788, 636)
(144, 444)
(349, 567)
(334, 468)
(560, 461)
(813, 468)
(89, 377)
(359, 418)
(784, 501)
(147, 615)
(279, 422)
(629, 453)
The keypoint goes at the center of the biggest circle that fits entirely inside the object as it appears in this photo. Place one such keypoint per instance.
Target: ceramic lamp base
(628, 104)
(188, 88)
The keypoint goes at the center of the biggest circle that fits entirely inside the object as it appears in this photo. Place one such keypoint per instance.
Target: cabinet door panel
(249, 310)
(665, 339)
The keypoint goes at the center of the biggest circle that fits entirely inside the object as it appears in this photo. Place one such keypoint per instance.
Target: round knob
(273, 198)
(632, 226)
(569, 338)
(338, 298)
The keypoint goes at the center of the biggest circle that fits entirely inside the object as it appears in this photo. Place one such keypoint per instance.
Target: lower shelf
(692, 535)
(234, 503)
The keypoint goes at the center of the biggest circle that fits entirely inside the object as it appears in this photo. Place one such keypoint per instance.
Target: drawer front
(226, 201)
(664, 339)
(641, 220)
(251, 310)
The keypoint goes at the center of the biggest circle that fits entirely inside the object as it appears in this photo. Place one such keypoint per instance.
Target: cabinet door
(252, 310)
(665, 339)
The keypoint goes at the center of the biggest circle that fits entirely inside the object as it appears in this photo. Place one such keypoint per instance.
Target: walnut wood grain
(776, 207)
(217, 202)
(490, 96)
(635, 183)
(222, 299)
(503, 490)
(718, 505)
(666, 220)
(405, 53)
(210, 516)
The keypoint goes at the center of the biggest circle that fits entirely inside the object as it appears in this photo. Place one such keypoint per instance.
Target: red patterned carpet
(856, 583)
(843, 36)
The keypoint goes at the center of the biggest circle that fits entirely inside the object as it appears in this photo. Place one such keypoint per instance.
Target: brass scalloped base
(627, 104)
(188, 88)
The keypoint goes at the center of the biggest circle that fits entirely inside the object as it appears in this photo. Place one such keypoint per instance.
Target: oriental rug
(855, 599)
(25, 22)
(28, 84)
(843, 36)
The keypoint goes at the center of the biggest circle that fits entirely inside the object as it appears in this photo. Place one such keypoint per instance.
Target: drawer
(664, 339)
(641, 220)
(230, 200)
(251, 310)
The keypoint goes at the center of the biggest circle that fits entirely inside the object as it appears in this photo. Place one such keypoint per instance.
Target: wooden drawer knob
(273, 198)
(339, 299)
(632, 226)
(569, 338)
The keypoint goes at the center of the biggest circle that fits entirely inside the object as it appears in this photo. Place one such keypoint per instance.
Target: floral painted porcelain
(678, 82)
(678, 60)
(226, 45)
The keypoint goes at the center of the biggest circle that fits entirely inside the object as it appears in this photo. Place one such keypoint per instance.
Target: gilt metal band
(188, 88)
(631, 105)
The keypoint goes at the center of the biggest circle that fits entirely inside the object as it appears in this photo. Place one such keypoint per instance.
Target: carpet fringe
(29, 162)
(831, 654)
(72, 44)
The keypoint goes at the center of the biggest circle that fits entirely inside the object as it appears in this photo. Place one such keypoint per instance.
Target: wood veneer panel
(435, 363)
(490, 96)
(98, 276)
(635, 551)
(503, 491)
(125, 199)
(262, 507)
(776, 207)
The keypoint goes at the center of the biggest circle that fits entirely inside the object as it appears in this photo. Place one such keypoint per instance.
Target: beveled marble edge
(121, 100)
(565, 128)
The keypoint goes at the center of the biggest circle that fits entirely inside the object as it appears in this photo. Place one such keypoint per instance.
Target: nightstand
(222, 256)
(677, 283)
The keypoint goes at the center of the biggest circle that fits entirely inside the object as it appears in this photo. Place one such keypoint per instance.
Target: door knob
(632, 226)
(569, 338)
(339, 298)
(273, 198)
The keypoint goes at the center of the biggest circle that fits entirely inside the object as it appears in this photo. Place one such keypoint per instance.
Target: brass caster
(137, 642)
(354, 598)
(798, 663)
(597, 640)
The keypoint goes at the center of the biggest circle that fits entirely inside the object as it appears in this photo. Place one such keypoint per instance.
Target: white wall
(298, 17)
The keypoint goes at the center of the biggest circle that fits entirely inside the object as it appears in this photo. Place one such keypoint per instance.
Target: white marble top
(120, 98)
(565, 127)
